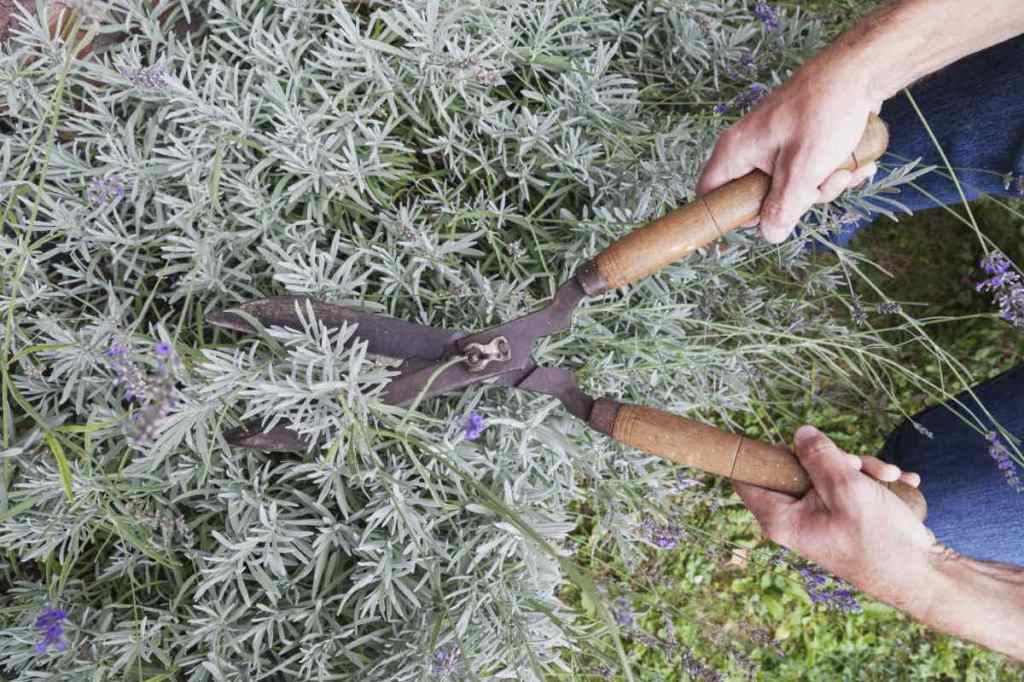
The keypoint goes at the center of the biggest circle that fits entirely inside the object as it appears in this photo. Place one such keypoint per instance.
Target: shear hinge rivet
(479, 355)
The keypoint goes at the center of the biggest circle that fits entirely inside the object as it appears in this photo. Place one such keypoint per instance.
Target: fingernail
(805, 434)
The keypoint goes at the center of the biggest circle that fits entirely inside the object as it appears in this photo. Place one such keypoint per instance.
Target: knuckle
(848, 496)
(732, 136)
(773, 210)
(819, 448)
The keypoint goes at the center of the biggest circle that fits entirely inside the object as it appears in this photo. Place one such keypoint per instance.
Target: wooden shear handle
(648, 249)
(704, 447)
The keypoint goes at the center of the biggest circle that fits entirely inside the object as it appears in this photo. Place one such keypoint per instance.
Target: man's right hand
(799, 134)
(863, 533)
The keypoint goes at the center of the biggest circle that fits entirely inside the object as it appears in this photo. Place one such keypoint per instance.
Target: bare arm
(907, 40)
(865, 535)
(808, 126)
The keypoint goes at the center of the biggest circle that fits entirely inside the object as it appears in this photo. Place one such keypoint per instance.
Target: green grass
(720, 592)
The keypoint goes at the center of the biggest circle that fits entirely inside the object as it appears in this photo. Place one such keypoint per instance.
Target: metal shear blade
(383, 335)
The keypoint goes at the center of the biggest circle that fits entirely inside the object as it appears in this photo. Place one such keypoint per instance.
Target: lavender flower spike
(1001, 454)
(48, 624)
(474, 426)
(767, 15)
(1006, 286)
(105, 190)
(446, 662)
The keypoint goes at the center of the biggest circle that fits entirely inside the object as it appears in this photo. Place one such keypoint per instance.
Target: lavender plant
(447, 162)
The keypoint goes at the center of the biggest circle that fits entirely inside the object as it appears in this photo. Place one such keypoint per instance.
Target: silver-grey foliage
(448, 162)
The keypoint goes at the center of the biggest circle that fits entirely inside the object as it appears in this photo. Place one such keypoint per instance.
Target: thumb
(829, 468)
(794, 190)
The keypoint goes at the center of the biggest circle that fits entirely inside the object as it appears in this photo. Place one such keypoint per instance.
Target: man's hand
(807, 128)
(861, 532)
(799, 135)
(847, 523)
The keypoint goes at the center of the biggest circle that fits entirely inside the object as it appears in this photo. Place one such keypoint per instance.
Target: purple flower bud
(116, 350)
(446, 661)
(474, 426)
(828, 591)
(1006, 286)
(105, 190)
(1001, 454)
(155, 395)
(49, 625)
(623, 613)
(767, 15)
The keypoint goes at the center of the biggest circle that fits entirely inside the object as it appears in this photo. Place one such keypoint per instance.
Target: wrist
(853, 68)
(976, 600)
(838, 73)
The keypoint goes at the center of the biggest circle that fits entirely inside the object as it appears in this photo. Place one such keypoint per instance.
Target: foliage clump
(444, 162)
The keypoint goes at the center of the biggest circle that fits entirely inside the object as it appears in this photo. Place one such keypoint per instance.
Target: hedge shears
(437, 361)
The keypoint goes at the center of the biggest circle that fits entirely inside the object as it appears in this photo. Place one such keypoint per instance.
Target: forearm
(974, 600)
(908, 39)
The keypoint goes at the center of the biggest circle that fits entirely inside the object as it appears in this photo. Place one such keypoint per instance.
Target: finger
(863, 174)
(911, 478)
(728, 161)
(834, 186)
(828, 467)
(794, 190)
(879, 470)
(768, 507)
(760, 501)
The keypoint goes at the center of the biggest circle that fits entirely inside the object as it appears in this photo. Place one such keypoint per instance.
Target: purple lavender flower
(155, 394)
(474, 426)
(748, 60)
(662, 535)
(623, 614)
(684, 482)
(446, 662)
(117, 349)
(49, 624)
(744, 67)
(1006, 286)
(995, 263)
(105, 190)
(830, 592)
(767, 15)
(696, 669)
(1001, 454)
(745, 101)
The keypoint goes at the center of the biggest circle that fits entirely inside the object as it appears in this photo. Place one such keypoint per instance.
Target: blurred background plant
(449, 163)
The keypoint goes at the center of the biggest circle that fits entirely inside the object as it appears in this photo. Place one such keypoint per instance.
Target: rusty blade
(383, 335)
